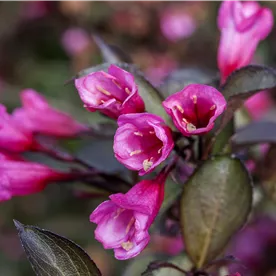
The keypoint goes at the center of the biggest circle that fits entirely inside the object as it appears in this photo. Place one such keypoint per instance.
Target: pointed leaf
(111, 53)
(215, 203)
(50, 254)
(255, 133)
(241, 85)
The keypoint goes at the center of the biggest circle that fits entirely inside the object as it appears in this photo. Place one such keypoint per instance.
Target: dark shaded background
(32, 55)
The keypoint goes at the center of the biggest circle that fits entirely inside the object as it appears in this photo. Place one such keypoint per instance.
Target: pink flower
(18, 178)
(124, 220)
(113, 94)
(243, 25)
(12, 136)
(75, 40)
(142, 141)
(37, 115)
(176, 24)
(258, 105)
(195, 108)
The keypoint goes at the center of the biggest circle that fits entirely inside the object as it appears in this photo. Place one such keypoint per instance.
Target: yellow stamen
(180, 108)
(102, 90)
(147, 164)
(130, 224)
(194, 98)
(213, 107)
(135, 152)
(191, 127)
(138, 133)
(127, 245)
(118, 212)
(127, 90)
(117, 84)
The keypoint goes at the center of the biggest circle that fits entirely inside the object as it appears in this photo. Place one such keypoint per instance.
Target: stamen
(159, 151)
(213, 107)
(127, 90)
(151, 132)
(191, 127)
(135, 152)
(130, 224)
(102, 90)
(127, 245)
(102, 101)
(147, 164)
(180, 108)
(118, 212)
(117, 84)
(194, 98)
(138, 133)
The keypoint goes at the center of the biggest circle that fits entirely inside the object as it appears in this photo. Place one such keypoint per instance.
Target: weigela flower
(38, 116)
(75, 41)
(18, 177)
(124, 220)
(177, 24)
(113, 94)
(142, 141)
(12, 136)
(243, 25)
(195, 108)
(258, 105)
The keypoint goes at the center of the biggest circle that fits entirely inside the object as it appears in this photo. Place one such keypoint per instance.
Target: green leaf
(182, 261)
(150, 94)
(215, 203)
(241, 85)
(50, 254)
(111, 53)
(255, 133)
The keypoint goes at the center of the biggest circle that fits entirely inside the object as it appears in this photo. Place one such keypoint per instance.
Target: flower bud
(37, 115)
(18, 177)
(13, 137)
(243, 25)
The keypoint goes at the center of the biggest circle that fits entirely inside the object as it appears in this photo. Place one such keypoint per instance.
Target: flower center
(198, 116)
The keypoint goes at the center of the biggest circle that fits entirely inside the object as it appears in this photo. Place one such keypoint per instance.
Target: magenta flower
(12, 136)
(177, 24)
(113, 94)
(124, 220)
(195, 108)
(18, 177)
(258, 105)
(142, 141)
(243, 25)
(38, 116)
(75, 41)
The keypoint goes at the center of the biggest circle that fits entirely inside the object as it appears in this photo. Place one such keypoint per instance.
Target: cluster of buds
(141, 143)
(18, 134)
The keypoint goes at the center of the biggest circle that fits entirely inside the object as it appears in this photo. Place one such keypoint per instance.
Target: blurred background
(43, 44)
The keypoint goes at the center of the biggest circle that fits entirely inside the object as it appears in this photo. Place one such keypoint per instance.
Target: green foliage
(215, 203)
